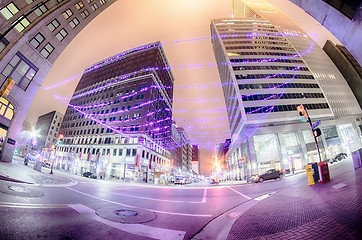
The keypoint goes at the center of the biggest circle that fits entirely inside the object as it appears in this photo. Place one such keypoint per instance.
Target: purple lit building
(118, 122)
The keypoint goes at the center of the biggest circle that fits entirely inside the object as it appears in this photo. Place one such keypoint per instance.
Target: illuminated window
(29, 1)
(61, 34)
(79, 5)
(21, 70)
(22, 24)
(75, 22)
(9, 10)
(47, 50)
(6, 108)
(53, 25)
(102, 2)
(37, 40)
(67, 13)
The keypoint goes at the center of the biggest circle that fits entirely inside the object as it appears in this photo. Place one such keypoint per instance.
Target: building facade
(118, 122)
(186, 146)
(196, 159)
(33, 33)
(341, 17)
(268, 66)
(47, 127)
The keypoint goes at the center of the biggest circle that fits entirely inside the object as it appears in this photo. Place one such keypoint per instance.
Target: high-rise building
(268, 66)
(186, 151)
(118, 122)
(32, 36)
(47, 129)
(196, 159)
(341, 17)
(348, 66)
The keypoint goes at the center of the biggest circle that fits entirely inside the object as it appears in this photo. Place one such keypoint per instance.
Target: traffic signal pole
(303, 112)
(315, 138)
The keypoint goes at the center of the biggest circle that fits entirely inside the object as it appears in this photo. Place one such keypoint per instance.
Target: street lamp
(57, 143)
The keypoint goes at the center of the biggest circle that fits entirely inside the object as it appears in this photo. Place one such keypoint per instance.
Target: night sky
(183, 27)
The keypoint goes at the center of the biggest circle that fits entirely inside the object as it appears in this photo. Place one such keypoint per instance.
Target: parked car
(89, 175)
(331, 160)
(180, 180)
(340, 156)
(270, 174)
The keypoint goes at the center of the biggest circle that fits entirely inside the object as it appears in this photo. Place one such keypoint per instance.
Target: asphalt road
(96, 209)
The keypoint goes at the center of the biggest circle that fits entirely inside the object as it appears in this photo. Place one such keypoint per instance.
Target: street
(98, 209)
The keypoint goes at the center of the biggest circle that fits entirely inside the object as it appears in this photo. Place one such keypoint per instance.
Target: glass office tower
(268, 66)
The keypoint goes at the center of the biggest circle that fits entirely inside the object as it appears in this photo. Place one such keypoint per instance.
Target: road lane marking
(240, 193)
(152, 210)
(154, 199)
(219, 228)
(262, 197)
(204, 196)
(30, 205)
(137, 229)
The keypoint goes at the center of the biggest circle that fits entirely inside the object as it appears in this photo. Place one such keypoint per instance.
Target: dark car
(270, 174)
(340, 156)
(89, 175)
(331, 160)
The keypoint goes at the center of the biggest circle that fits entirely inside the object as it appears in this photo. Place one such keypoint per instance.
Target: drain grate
(126, 213)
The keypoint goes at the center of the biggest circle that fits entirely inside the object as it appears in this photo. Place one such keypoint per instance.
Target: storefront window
(308, 136)
(267, 152)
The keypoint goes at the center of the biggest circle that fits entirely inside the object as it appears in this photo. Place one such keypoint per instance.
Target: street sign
(317, 123)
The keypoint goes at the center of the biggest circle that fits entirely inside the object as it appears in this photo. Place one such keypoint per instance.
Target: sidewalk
(331, 210)
(16, 171)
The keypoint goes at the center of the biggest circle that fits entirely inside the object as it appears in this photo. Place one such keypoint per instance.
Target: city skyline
(188, 47)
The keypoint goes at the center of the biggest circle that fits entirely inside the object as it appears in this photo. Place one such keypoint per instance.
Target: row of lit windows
(246, 60)
(263, 42)
(277, 85)
(256, 37)
(250, 27)
(258, 97)
(62, 33)
(248, 35)
(128, 152)
(241, 68)
(284, 108)
(260, 47)
(261, 53)
(269, 76)
(22, 22)
(111, 119)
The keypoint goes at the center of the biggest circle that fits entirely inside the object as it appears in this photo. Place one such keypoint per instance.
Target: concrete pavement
(323, 211)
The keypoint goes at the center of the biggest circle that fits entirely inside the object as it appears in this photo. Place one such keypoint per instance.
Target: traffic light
(302, 113)
(5, 90)
(60, 139)
(317, 132)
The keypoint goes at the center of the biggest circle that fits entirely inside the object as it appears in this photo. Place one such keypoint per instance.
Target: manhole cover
(126, 213)
(19, 189)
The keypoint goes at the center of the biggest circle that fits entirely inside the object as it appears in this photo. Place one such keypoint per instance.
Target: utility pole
(315, 131)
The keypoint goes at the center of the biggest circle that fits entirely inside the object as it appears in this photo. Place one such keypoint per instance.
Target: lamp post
(57, 143)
